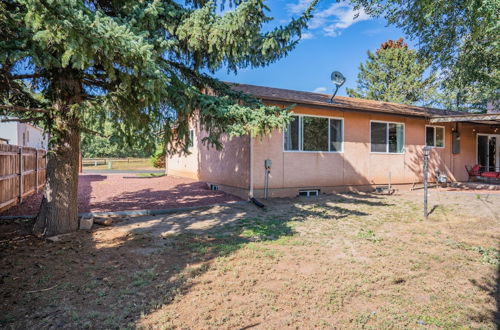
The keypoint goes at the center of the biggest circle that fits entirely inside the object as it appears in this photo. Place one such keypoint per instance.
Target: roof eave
(343, 107)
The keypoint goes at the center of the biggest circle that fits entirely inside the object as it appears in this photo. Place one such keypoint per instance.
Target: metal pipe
(266, 184)
(426, 184)
(250, 193)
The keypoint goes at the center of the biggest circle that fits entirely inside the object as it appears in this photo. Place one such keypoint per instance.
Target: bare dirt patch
(335, 261)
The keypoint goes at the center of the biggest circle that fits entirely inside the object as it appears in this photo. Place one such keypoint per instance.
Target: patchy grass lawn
(346, 261)
(150, 175)
(123, 164)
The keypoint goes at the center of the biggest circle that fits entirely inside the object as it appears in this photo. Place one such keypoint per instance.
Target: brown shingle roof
(340, 102)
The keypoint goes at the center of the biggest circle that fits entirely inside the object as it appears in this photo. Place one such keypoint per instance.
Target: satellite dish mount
(338, 80)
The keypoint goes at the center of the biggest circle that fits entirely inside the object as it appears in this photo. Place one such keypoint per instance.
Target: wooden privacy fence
(22, 173)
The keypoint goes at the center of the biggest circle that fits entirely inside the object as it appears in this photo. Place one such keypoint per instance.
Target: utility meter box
(267, 164)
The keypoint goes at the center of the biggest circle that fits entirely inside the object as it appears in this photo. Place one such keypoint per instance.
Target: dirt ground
(344, 261)
(120, 192)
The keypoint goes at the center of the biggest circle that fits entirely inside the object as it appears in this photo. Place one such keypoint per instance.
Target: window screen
(292, 134)
(335, 135)
(439, 137)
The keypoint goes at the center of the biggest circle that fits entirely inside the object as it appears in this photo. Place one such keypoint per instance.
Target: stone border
(132, 212)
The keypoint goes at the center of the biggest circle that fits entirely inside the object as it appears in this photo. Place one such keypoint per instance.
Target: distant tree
(468, 98)
(459, 37)
(107, 141)
(394, 73)
(71, 63)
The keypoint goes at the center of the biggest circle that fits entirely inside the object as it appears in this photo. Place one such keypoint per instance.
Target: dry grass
(346, 261)
(123, 164)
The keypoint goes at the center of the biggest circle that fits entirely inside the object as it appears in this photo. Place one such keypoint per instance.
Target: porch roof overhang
(484, 119)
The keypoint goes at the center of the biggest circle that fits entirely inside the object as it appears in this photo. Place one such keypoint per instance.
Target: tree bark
(58, 212)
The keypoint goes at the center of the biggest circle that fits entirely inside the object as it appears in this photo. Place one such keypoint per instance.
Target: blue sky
(335, 41)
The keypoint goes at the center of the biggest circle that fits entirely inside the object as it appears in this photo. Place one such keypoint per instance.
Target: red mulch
(119, 192)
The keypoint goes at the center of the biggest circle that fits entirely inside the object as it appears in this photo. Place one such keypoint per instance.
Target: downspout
(250, 193)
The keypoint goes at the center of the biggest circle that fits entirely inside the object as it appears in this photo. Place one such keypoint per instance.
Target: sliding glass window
(434, 136)
(387, 137)
(314, 134)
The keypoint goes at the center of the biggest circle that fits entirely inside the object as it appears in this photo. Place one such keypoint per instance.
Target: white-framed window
(387, 137)
(434, 136)
(314, 134)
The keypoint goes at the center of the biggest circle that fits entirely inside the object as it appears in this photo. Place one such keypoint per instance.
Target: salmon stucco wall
(357, 165)
(186, 165)
(229, 166)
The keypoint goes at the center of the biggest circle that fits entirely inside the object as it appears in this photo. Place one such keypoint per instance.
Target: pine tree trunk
(58, 212)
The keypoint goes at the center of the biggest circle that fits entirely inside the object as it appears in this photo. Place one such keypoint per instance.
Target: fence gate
(22, 173)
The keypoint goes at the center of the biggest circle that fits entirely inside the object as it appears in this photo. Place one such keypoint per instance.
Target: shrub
(158, 158)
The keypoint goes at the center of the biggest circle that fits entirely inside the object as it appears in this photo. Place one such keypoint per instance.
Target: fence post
(20, 197)
(80, 163)
(36, 170)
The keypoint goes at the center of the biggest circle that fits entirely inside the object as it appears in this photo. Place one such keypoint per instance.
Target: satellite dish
(338, 79)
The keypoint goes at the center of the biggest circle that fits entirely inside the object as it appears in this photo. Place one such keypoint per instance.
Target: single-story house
(23, 134)
(347, 144)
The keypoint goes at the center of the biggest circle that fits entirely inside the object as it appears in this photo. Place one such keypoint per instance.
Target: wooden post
(20, 197)
(36, 170)
(80, 163)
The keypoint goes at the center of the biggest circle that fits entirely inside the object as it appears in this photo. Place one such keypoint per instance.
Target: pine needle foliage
(459, 37)
(394, 73)
(145, 65)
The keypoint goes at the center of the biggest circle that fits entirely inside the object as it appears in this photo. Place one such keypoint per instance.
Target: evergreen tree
(69, 64)
(107, 141)
(394, 74)
(459, 37)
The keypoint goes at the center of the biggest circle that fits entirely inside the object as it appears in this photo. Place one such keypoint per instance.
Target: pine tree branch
(101, 84)
(16, 108)
(25, 76)
(89, 131)
(23, 120)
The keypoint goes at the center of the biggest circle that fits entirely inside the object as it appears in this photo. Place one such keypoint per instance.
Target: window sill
(387, 153)
(313, 152)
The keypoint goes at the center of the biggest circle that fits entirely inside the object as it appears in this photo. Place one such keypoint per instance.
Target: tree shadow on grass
(113, 277)
(492, 287)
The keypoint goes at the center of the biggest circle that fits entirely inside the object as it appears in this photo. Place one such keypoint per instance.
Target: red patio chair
(473, 172)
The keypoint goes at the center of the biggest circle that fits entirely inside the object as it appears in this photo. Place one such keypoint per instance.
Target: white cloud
(319, 90)
(344, 17)
(307, 35)
(299, 7)
(333, 19)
